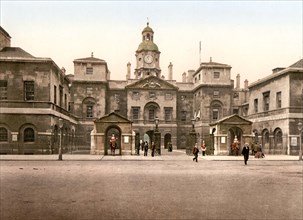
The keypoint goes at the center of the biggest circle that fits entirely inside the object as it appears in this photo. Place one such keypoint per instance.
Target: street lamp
(300, 126)
(60, 140)
(157, 136)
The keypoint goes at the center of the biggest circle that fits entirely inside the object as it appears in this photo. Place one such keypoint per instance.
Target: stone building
(276, 107)
(41, 104)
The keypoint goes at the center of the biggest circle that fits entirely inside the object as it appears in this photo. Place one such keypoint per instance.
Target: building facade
(41, 105)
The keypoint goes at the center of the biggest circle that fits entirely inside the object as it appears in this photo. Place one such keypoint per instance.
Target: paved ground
(165, 156)
(166, 187)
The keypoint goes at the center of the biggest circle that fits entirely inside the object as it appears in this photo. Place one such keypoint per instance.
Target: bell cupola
(147, 55)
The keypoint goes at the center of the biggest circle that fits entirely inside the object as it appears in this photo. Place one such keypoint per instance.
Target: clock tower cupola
(147, 55)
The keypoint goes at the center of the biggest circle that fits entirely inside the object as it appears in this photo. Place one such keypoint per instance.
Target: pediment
(152, 82)
(113, 117)
(233, 120)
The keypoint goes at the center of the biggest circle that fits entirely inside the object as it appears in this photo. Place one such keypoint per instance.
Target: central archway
(116, 131)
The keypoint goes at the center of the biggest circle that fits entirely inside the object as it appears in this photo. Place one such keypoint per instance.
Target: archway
(235, 134)
(112, 130)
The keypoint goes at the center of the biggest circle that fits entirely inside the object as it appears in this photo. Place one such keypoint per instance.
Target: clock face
(148, 59)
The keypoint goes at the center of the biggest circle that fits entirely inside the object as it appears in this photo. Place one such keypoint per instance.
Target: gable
(233, 120)
(151, 82)
(113, 117)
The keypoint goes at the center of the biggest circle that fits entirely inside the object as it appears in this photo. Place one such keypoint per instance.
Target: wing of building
(43, 107)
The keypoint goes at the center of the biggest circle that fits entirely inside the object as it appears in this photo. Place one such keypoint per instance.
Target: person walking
(203, 148)
(245, 153)
(145, 148)
(153, 147)
(195, 152)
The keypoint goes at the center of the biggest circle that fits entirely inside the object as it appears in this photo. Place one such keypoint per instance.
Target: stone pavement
(177, 155)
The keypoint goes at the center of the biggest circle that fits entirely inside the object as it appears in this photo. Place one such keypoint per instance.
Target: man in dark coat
(245, 153)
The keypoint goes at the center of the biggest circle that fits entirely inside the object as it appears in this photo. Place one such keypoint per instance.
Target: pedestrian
(113, 144)
(245, 153)
(142, 145)
(138, 147)
(145, 148)
(153, 147)
(195, 152)
(203, 148)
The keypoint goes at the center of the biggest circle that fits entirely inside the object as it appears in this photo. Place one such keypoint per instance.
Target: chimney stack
(238, 82)
(184, 77)
(190, 75)
(170, 71)
(128, 71)
(246, 84)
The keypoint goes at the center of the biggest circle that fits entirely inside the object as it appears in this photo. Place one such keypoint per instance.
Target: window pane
(89, 111)
(29, 90)
(135, 113)
(89, 70)
(29, 135)
(3, 135)
(3, 89)
(151, 115)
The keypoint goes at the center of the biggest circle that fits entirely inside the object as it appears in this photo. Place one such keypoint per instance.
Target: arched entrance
(234, 140)
(148, 136)
(112, 130)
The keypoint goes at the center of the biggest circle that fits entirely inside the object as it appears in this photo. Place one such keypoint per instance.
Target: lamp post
(300, 126)
(60, 140)
(157, 135)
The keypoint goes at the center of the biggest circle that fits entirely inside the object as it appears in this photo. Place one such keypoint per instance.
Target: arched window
(278, 136)
(29, 135)
(3, 134)
(265, 137)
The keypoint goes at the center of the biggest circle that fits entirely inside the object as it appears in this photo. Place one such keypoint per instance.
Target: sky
(253, 37)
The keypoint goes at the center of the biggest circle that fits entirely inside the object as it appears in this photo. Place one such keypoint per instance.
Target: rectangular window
(236, 111)
(3, 89)
(168, 114)
(151, 114)
(266, 101)
(215, 114)
(135, 113)
(60, 96)
(279, 100)
(216, 75)
(183, 115)
(55, 94)
(29, 90)
(89, 111)
(89, 70)
(65, 101)
(256, 105)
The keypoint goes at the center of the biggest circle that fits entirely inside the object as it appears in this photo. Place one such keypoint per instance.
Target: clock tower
(147, 55)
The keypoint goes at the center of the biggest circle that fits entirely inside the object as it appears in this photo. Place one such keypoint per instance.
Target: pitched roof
(235, 118)
(90, 59)
(15, 52)
(3, 31)
(298, 64)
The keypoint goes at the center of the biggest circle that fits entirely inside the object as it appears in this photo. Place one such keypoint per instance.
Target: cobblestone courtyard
(151, 190)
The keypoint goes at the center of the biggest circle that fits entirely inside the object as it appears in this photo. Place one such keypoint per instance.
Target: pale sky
(252, 36)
